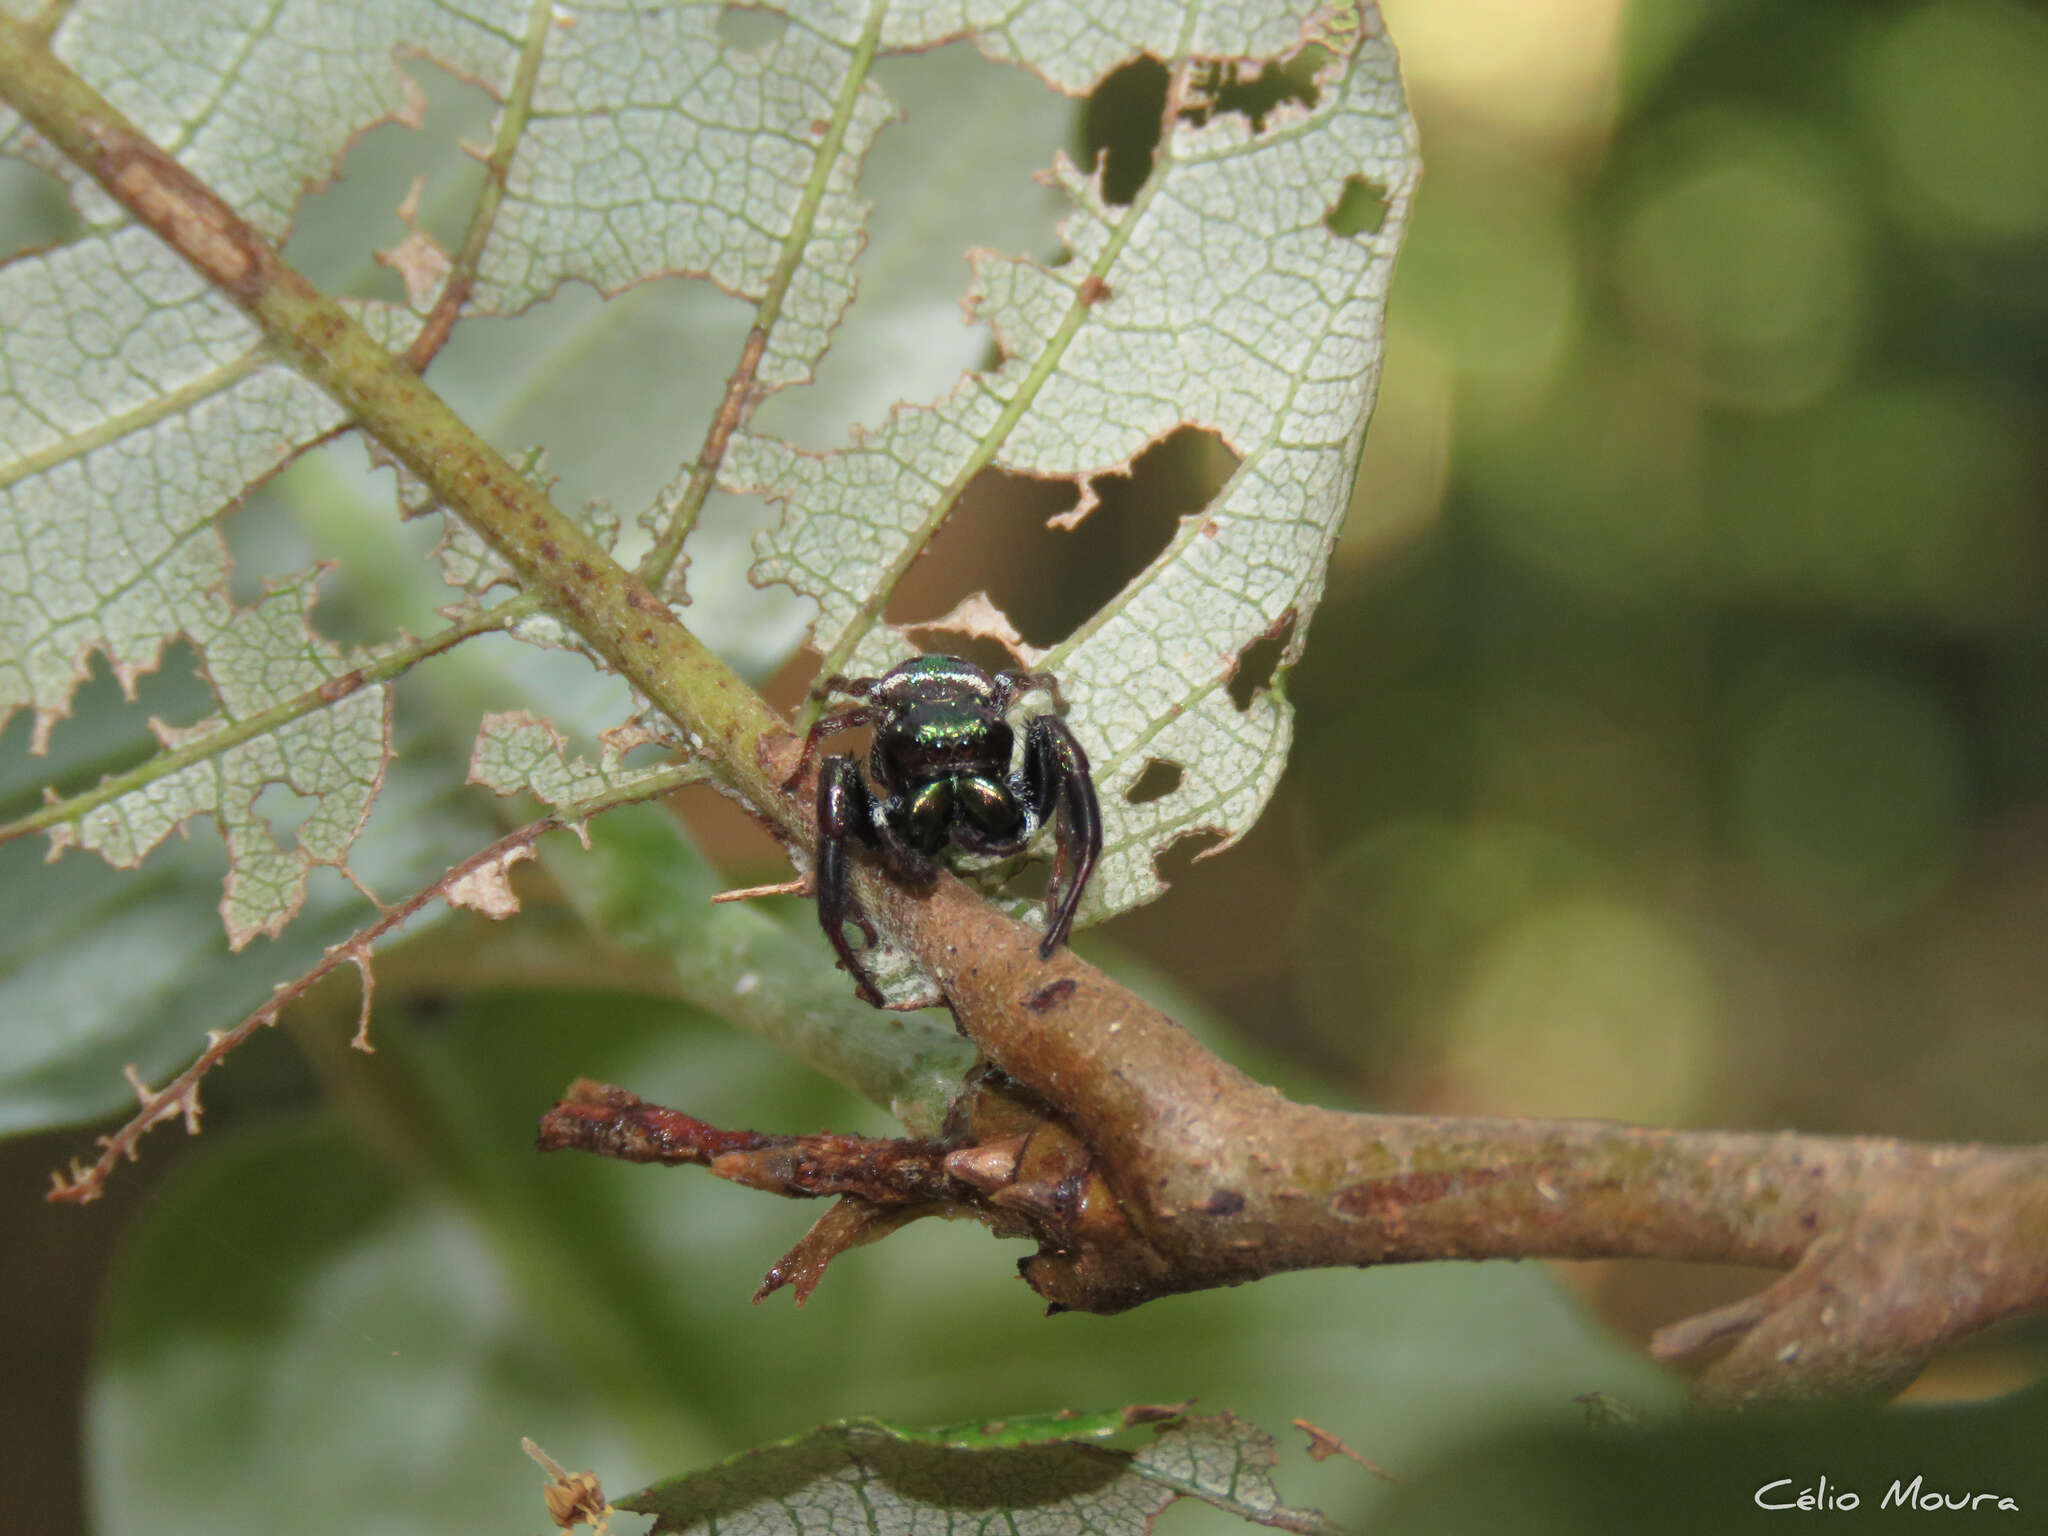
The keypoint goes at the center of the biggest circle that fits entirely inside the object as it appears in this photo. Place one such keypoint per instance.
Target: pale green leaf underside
(655, 146)
(518, 751)
(1230, 306)
(135, 407)
(1024, 1478)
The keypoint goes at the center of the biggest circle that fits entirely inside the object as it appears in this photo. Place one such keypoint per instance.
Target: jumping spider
(941, 764)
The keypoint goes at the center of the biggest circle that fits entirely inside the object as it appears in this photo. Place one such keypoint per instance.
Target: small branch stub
(1892, 1250)
(1000, 1158)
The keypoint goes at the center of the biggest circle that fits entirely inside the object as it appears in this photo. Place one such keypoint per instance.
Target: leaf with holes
(140, 407)
(139, 410)
(1041, 1476)
(519, 751)
(1238, 294)
(1235, 295)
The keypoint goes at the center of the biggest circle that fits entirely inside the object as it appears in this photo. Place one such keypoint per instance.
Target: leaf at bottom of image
(1046, 1475)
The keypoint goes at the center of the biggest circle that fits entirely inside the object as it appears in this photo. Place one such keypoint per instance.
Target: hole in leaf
(1049, 579)
(1120, 127)
(1217, 86)
(1029, 882)
(285, 810)
(750, 26)
(957, 170)
(998, 522)
(343, 220)
(106, 731)
(38, 212)
(1257, 662)
(1160, 779)
(1172, 861)
(979, 631)
(986, 654)
(648, 754)
(1360, 209)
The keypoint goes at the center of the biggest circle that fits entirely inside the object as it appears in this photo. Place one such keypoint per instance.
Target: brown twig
(179, 1098)
(1000, 1156)
(611, 1122)
(1894, 1248)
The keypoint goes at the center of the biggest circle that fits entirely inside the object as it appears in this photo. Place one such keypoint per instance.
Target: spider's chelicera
(941, 767)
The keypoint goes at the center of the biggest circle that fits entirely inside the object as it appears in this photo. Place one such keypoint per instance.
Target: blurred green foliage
(1686, 731)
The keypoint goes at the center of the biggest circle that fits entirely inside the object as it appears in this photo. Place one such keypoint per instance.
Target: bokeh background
(1671, 747)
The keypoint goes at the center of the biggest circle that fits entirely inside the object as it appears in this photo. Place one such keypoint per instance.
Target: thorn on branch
(363, 889)
(849, 1223)
(803, 885)
(177, 1099)
(360, 955)
(1690, 1335)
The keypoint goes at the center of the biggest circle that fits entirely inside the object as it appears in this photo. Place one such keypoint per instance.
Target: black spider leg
(1011, 686)
(1056, 781)
(845, 809)
(826, 725)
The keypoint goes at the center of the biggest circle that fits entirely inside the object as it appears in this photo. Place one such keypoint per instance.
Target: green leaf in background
(849, 1478)
(358, 1347)
(103, 969)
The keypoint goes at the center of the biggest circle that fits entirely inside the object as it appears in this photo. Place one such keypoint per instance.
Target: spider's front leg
(825, 725)
(845, 809)
(1059, 788)
(1011, 686)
